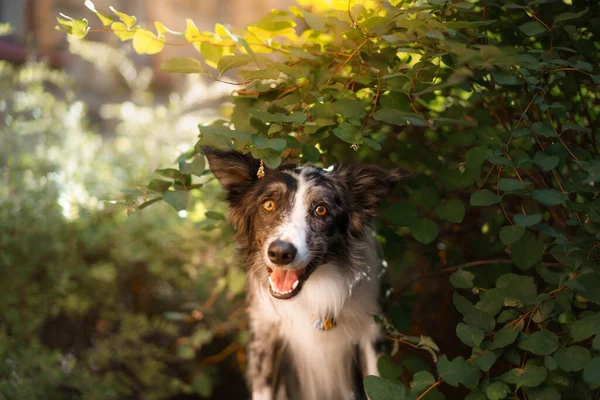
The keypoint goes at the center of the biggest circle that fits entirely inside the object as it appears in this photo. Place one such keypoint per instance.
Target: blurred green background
(96, 301)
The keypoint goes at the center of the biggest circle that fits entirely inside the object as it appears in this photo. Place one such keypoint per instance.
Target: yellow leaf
(128, 20)
(211, 53)
(191, 31)
(122, 32)
(146, 42)
(223, 36)
(182, 65)
(161, 29)
(75, 27)
(105, 19)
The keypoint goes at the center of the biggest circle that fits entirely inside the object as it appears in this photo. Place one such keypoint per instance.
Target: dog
(313, 267)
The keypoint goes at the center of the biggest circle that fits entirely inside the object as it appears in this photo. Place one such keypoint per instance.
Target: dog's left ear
(369, 185)
(235, 171)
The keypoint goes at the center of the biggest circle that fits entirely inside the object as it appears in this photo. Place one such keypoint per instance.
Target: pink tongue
(284, 278)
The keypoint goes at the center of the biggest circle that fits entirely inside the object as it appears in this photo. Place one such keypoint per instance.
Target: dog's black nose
(282, 253)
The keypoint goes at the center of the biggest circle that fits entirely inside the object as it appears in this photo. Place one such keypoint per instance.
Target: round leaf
(527, 251)
(485, 197)
(382, 389)
(540, 343)
(512, 233)
(572, 359)
(528, 220)
(424, 230)
(452, 211)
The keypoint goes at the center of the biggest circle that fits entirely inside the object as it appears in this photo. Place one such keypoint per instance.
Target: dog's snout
(282, 253)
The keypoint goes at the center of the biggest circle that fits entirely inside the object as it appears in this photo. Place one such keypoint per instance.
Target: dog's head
(297, 218)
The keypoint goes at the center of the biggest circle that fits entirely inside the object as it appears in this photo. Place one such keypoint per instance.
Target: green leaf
(527, 251)
(381, 389)
(214, 215)
(573, 358)
(424, 230)
(169, 173)
(505, 337)
(158, 185)
(310, 153)
(347, 132)
(314, 21)
(226, 63)
(528, 220)
(543, 129)
(540, 343)
(372, 144)
(585, 327)
(402, 213)
(349, 108)
(591, 372)
(476, 395)
(202, 384)
(510, 185)
(544, 161)
(472, 315)
(485, 197)
(421, 381)
(388, 369)
(502, 78)
(462, 279)
(149, 202)
(452, 211)
(196, 167)
(532, 28)
(469, 335)
(457, 371)
(391, 116)
(511, 233)
(549, 197)
(497, 390)
(178, 199)
(543, 393)
(568, 16)
(182, 65)
(259, 74)
(530, 376)
(485, 360)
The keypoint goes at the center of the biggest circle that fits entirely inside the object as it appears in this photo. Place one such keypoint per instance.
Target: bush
(493, 107)
(96, 304)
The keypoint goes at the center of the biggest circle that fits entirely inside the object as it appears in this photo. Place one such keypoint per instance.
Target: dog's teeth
(295, 285)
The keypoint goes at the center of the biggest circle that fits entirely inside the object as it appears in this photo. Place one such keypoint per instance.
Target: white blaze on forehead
(294, 228)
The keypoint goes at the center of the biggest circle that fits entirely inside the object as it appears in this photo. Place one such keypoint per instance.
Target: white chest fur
(323, 359)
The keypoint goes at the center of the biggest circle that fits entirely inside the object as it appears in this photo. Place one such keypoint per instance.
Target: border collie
(313, 266)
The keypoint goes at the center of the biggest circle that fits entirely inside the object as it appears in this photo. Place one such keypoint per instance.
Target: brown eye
(269, 205)
(321, 211)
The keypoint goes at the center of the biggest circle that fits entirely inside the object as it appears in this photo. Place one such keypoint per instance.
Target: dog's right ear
(235, 171)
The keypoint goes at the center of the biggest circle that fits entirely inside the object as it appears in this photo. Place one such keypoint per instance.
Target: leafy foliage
(491, 104)
(95, 304)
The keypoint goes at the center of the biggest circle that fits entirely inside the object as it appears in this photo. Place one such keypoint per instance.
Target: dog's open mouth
(286, 283)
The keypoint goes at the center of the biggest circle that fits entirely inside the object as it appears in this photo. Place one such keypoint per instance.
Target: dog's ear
(369, 185)
(235, 171)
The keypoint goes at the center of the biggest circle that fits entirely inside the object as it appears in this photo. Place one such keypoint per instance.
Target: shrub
(95, 304)
(493, 107)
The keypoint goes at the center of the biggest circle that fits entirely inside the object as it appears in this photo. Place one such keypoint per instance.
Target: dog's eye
(321, 211)
(269, 205)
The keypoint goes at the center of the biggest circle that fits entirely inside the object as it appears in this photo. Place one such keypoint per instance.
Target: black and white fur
(337, 262)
